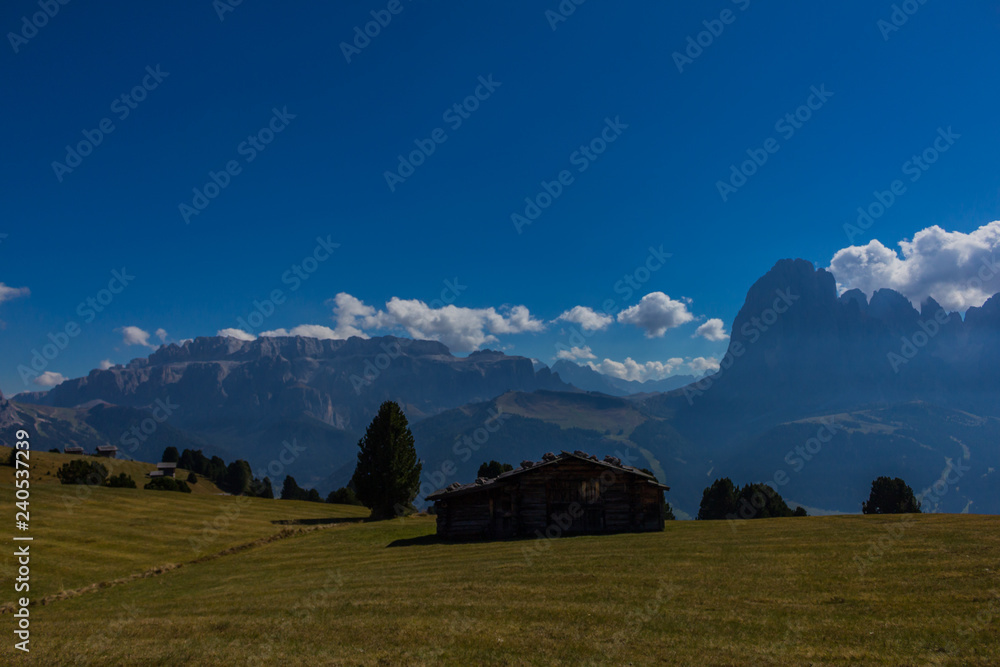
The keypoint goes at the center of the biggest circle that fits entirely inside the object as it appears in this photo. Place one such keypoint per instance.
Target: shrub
(192, 478)
(668, 512)
(79, 471)
(120, 481)
(167, 484)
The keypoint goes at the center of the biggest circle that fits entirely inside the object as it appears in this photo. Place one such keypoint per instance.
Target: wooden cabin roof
(483, 484)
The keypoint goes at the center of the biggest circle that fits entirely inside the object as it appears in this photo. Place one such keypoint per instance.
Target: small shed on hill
(566, 494)
(73, 449)
(164, 469)
(107, 451)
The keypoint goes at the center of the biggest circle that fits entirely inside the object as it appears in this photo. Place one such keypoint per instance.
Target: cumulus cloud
(575, 353)
(958, 270)
(587, 318)
(106, 364)
(306, 330)
(713, 330)
(162, 335)
(8, 293)
(461, 329)
(702, 364)
(238, 334)
(49, 379)
(656, 313)
(353, 316)
(633, 370)
(135, 336)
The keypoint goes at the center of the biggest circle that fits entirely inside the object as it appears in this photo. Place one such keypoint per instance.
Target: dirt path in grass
(283, 534)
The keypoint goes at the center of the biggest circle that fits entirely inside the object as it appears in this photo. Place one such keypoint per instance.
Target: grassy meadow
(287, 582)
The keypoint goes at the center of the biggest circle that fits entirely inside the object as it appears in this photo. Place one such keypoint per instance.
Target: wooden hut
(565, 494)
(107, 451)
(163, 469)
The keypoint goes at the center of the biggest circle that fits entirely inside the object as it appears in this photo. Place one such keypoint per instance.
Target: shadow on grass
(423, 540)
(317, 522)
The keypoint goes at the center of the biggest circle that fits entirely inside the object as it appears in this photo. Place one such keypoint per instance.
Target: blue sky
(553, 87)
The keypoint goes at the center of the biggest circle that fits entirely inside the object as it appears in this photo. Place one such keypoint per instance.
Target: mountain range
(818, 393)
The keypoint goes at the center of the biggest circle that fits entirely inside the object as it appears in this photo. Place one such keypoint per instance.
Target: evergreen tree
(238, 477)
(170, 455)
(891, 496)
(718, 500)
(343, 496)
(387, 477)
(290, 490)
(493, 469)
(261, 488)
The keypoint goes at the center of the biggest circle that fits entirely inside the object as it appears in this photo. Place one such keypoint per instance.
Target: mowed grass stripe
(784, 591)
(106, 534)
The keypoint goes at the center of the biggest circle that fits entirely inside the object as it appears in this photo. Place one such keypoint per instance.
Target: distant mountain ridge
(795, 340)
(587, 379)
(339, 382)
(899, 391)
(247, 399)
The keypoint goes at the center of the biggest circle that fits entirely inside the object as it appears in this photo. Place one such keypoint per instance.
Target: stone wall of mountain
(292, 405)
(796, 343)
(338, 382)
(8, 415)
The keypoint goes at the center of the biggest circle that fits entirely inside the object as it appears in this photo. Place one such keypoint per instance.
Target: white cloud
(135, 336)
(106, 364)
(49, 379)
(702, 364)
(162, 335)
(655, 313)
(713, 330)
(954, 268)
(306, 330)
(8, 293)
(633, 370)
(587, 318)
(238, 334)
(575, 353)
(352, 315)
(461, 329)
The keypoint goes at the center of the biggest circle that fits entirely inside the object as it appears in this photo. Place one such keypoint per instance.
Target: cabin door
(502, 515)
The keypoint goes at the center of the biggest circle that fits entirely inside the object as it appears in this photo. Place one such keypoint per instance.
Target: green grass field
(125, 584)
